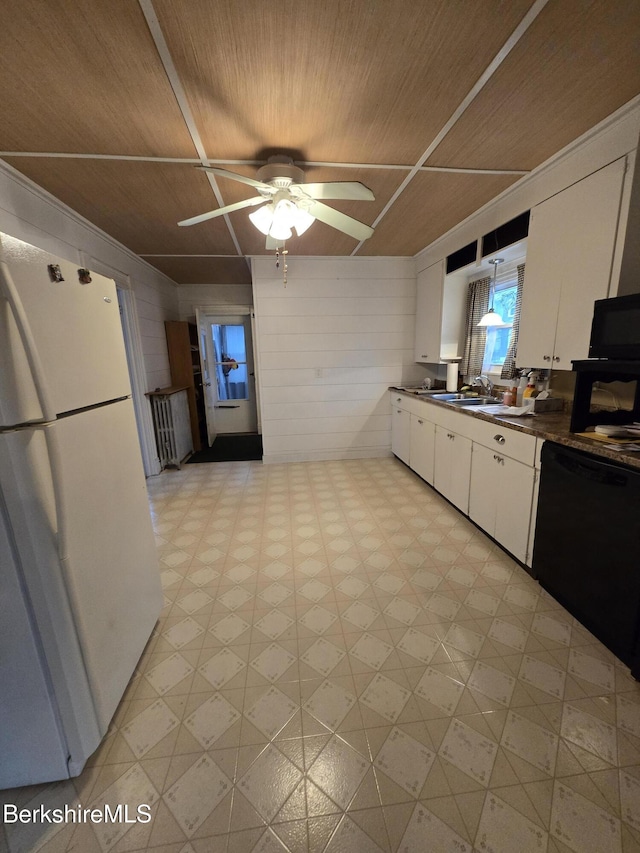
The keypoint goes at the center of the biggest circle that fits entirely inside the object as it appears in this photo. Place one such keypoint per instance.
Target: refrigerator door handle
(9, 291)
(55, 467)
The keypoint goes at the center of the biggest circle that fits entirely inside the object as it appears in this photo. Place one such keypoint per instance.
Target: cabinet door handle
(499, 459)
(499, 438)
(398, 399)
(546, 357)
(556, 358)
(398, 411)
(419, 421)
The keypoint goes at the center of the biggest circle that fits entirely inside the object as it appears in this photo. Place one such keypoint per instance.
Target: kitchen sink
(420, 392)
(449, 398)
(477, 401)
(463, 400)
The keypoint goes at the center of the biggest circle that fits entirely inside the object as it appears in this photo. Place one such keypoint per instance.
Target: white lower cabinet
(484, 468)
(500, 498)
(422, 447)
(452, 467)
(400, 433)
(534, 504)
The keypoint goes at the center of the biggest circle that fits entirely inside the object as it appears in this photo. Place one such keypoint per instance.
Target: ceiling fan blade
(248, 202)
(338, 220)
(339, 189)
(225, 173)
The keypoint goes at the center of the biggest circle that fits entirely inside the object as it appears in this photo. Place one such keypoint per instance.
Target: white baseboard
(327, 455)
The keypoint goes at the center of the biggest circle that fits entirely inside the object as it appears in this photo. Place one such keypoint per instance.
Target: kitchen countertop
(553, 426)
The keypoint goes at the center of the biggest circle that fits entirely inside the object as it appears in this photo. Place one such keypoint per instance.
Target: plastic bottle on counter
(507, 398)
(521, 386)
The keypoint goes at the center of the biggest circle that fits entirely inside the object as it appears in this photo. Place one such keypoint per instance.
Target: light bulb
(282, 220)
(262, 218)
(302, 220)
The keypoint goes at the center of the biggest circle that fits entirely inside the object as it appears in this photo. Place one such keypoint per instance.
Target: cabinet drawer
(506, 441)
(400, 401)
(443, 417)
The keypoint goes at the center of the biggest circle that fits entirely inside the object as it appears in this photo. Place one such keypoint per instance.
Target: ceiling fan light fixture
(289, 203)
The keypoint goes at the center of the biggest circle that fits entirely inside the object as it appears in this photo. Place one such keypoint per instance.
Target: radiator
(172, 426)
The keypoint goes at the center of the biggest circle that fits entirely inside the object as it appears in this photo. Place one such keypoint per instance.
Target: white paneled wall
(329, 344)
(194, 296)
(154, 306)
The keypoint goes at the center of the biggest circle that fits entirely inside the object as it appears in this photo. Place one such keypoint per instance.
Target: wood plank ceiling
(437, 106)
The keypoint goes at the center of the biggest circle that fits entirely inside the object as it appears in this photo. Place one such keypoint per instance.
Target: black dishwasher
(587, 545)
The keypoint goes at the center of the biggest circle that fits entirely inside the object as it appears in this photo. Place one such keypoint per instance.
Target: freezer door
(65, 346)
(107, 546)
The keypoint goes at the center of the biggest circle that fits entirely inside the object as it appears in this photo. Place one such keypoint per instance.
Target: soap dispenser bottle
(528, 391)
(531, 390)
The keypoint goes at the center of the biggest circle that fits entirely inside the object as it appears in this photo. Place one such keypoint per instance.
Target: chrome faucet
(486, 384)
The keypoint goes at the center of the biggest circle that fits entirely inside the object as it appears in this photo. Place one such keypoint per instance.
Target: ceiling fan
(289, 203)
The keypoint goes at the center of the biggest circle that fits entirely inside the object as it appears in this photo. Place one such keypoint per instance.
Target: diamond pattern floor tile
(339, 619)
(269, 782)
(342, 786)
(196, 794)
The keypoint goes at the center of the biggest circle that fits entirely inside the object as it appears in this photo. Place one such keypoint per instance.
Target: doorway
(229, 374)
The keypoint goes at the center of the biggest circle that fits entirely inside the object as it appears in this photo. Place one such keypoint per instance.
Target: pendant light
(492, 318)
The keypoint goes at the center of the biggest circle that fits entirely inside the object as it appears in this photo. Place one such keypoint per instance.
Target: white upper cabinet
(429, 313)
(570, 251)
(440, 311)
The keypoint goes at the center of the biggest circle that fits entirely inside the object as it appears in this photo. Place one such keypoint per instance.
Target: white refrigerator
(79, 580)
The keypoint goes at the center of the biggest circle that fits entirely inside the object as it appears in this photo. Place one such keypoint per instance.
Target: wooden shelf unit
(184, 362)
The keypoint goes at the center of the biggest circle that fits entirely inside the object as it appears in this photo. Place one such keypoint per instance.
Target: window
(231, 361)
(495, 350)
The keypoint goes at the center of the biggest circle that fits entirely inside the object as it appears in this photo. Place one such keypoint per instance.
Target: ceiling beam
(174, 80)
(482, 81)
(195, 162)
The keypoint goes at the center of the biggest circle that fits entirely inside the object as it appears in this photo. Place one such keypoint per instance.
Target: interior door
(230, 368)
(208, 381)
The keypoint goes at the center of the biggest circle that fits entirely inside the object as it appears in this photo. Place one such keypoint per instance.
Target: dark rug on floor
(231, 448)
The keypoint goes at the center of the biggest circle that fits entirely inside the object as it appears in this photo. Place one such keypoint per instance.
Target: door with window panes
(231, 373)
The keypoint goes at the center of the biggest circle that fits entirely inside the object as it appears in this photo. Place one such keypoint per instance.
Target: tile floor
(345, 664)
